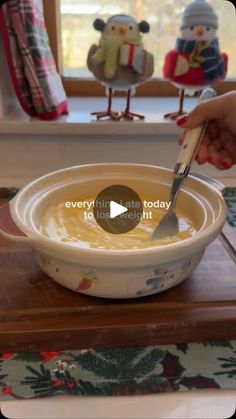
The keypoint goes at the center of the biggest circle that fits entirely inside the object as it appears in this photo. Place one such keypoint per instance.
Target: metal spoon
(169, 225)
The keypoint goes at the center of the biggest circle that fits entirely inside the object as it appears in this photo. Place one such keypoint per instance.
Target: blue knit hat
(198, 13)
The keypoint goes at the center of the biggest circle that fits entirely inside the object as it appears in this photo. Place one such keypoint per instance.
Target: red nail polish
(181, 121)
(197, 157)
(209, 159)
(226, 164)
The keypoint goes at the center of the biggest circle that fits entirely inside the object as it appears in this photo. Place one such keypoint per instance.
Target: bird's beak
(122, 30)
(200, 31)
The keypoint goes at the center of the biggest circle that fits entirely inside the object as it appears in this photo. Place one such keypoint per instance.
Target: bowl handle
(8, 228)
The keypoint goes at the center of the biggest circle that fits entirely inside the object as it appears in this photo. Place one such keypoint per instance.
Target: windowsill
(80, 122)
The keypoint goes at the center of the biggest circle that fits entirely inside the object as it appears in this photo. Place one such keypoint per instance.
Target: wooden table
(38, 314)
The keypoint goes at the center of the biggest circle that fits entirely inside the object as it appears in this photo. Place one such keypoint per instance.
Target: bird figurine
(196, 62)
(120, 62)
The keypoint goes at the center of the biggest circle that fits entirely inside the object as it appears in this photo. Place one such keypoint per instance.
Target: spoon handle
(192, 141)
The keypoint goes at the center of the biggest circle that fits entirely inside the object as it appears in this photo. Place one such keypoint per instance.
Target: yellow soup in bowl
(69, 225)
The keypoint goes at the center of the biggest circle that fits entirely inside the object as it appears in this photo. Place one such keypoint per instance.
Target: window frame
(89, 87)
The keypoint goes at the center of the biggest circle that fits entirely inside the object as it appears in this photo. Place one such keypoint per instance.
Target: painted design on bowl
(88, 278)
(163, 277)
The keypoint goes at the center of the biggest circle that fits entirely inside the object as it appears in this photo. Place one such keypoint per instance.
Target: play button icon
(118, 209)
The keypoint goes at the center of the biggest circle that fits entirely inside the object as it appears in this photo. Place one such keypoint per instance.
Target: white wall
(25, 157)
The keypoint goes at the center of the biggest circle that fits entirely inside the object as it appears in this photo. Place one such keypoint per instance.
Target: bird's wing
(148, 65)
(96, 69)
(92, 50)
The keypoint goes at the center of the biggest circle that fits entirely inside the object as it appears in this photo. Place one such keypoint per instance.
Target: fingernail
(197, 157)
(226, 164)
(181, 121)
(209, 159)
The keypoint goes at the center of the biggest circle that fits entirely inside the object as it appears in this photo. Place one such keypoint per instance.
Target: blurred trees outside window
(164, 17)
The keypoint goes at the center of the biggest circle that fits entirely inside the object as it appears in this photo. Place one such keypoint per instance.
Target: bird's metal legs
(115, 116)
(130, 116)
(175, 115)
(109, 114)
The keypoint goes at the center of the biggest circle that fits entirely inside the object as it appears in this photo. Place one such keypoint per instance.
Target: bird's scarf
(205, 54)
(111, 47)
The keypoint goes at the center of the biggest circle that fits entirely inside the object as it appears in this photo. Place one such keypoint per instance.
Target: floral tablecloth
(121, 371)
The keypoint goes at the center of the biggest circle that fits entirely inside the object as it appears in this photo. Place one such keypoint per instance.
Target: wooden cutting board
(38, 314)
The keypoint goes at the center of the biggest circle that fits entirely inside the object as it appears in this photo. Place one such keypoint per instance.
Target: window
(70, 25)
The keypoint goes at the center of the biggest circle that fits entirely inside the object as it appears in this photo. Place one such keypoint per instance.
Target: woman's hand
(219, 142)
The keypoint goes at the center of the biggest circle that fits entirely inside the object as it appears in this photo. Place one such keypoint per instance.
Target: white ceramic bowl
(114, 273)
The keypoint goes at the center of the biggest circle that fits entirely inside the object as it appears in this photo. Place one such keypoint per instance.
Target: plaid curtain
(37, 83)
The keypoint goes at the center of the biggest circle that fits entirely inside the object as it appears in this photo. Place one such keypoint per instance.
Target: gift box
(132, 55)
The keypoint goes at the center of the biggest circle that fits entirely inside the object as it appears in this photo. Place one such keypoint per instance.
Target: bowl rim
(36, 238)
